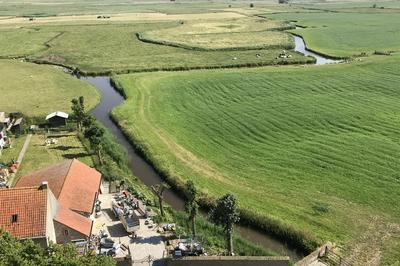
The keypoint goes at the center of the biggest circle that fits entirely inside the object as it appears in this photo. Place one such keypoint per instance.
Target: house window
(14, 218)
(65, 232)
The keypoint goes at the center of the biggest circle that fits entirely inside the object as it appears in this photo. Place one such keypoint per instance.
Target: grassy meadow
(233, 34)
(347, 34)
(39, 8)
(111, 45)
(37, 90)
(318, 145)
(115, 48)
(18, 42)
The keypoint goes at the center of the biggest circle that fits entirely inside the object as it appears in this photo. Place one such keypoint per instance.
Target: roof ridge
(63, 208)
(65, 177)
(20, 188)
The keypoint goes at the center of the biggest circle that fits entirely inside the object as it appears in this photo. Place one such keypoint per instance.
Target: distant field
(349, 6)
(227, 34)
(115, 47)
(347, 34)
(123, 17)
(76, 7)
(37, 90)
(318, 145)
(16, 42)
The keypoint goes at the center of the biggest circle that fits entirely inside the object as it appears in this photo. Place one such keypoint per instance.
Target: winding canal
(146, 173)
(300, 46)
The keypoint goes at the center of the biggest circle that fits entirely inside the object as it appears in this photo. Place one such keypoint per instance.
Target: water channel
(300, 46)
(146, 173)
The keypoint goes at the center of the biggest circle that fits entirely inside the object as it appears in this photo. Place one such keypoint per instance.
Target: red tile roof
(80, 187)
(55, 176)
(30, 206)
(73, 183)
(73, 220)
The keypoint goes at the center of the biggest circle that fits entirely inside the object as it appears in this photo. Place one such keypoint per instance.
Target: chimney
(44, 185)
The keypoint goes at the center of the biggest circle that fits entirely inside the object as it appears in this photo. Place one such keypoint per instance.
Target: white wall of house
(52, 208)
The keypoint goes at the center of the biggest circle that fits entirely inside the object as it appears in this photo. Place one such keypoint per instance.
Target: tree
(87, 120)
(95, 136)
(225, 214)
(191, 205)
(26, 252)
(251, 5)
(159, 191)
(78, 108)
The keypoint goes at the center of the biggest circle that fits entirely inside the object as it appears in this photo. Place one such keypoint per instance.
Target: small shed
(17, 126)
(57, 119)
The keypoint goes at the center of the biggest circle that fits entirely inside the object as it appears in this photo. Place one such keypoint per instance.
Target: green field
(115, 47)
(37, 90)
(347, 34)
(318, 145)
(77, 7)
(229, 34)
(16, 42)
(103, 46)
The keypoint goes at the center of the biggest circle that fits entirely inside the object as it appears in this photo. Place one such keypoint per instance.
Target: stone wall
(65, 234)
(312, 257)
(229, 261)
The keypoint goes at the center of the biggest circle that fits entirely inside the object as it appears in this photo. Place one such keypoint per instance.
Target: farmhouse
(74, 184)
(53, 204)
(34, 213)
(57, 119)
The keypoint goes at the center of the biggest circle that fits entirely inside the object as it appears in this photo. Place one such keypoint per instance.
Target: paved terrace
(147, 245)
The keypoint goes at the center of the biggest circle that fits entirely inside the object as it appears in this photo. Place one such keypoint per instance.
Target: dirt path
(24, 148)
(20, 158)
